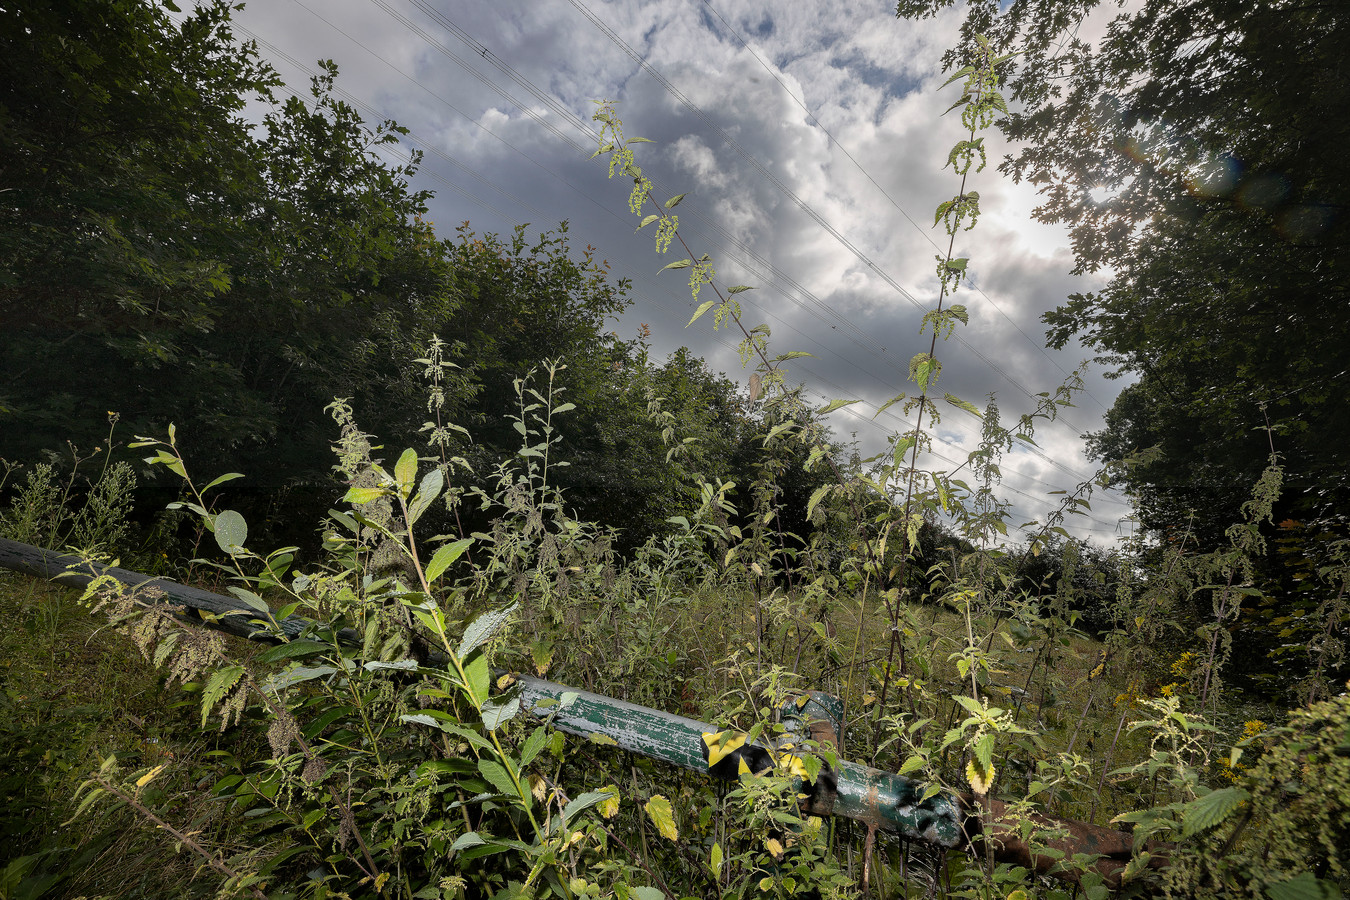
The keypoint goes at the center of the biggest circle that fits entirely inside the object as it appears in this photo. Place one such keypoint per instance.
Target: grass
(73, 692)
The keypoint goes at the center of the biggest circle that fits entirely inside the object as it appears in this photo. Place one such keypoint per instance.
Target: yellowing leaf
(775, 848)
(149, 776)
(663, 817)
(980, 782)
(610, 808)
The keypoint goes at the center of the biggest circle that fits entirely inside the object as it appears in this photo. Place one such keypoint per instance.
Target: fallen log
(875, 798)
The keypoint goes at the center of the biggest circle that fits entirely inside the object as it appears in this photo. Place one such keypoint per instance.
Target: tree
(227, 276)
(1196, 153)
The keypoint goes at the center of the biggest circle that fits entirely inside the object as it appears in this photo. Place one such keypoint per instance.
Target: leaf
(536, 742)
(792, 354)
(251, 600)
(444, 556)
(231, 476)
(481, 629)
(678, 264)
(427, 492)
(468, 839)
(231, 532)
(739, 288)
(702, 308)
(1203, 813)
(715, 859)
(964, 405)
(495, 714)
(497, 776)
(642, 892)
(647, 221)
(1303, 886)
(984, 752)
(358, 496)
(405, 470)
(663, 817)
(818, 495)
(674, 201)
(291, 650)
(480, 678)
(833, 405)
(149, 776)
(217, 686)
(980, 780)
(584, 802)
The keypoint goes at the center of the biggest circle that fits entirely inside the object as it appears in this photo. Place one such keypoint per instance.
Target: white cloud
(871, 80)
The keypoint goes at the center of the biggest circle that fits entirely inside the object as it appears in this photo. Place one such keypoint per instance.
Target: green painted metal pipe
(877, 798)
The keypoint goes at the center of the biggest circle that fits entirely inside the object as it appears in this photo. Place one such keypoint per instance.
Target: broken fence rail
(875, 798)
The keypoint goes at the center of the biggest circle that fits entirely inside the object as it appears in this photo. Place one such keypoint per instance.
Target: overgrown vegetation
(382, 752)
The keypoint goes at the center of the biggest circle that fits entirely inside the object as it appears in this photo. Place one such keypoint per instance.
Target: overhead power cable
(806, 208)
(859, 166)
(435, 150)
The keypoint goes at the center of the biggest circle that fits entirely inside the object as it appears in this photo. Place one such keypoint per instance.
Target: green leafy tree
(1194, 153)
(202, 270)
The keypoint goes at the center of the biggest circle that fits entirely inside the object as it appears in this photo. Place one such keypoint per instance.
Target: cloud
(506, 90)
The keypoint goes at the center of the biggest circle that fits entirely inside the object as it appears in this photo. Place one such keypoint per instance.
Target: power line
(788, 192)
(436, 151)
(923, 231)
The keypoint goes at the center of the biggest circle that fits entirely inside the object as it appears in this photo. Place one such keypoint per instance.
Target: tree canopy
(1195, 153)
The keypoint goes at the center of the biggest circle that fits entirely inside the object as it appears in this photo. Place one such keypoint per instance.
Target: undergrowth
(381, 751)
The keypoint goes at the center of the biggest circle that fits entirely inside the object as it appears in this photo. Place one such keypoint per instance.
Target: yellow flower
(1252, 727)
(1167, 689)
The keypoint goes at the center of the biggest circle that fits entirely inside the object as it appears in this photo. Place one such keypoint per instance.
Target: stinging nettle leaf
(674, 201)
(739, 289)
(678, 264)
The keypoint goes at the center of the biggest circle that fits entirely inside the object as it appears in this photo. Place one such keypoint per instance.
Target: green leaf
(833, 405)
(647, 221)
(1303, 886)
(739, 288)
(495, 715)
(703, 307)
(536, 742)
(792, 354)
(444, 556)
(585, 802)
(481, 629)
(818, 495)
(361, 495)
(427, 492)
(1203, 813)
(221, 480)
(217, 686)
(466, 840)
(643, 892)
(251, 600)
(497, 776)
(480, 678)
(964, 405)
(678, 264)
(674, 201)
(231, 532)
(663, 817)
(405, 470)
(984, 751)
(291, 650)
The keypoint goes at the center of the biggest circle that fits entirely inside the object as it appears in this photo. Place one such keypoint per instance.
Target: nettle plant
(394, 766)
(962, 733)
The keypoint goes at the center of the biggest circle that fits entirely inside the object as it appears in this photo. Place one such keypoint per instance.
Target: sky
(810, 141)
